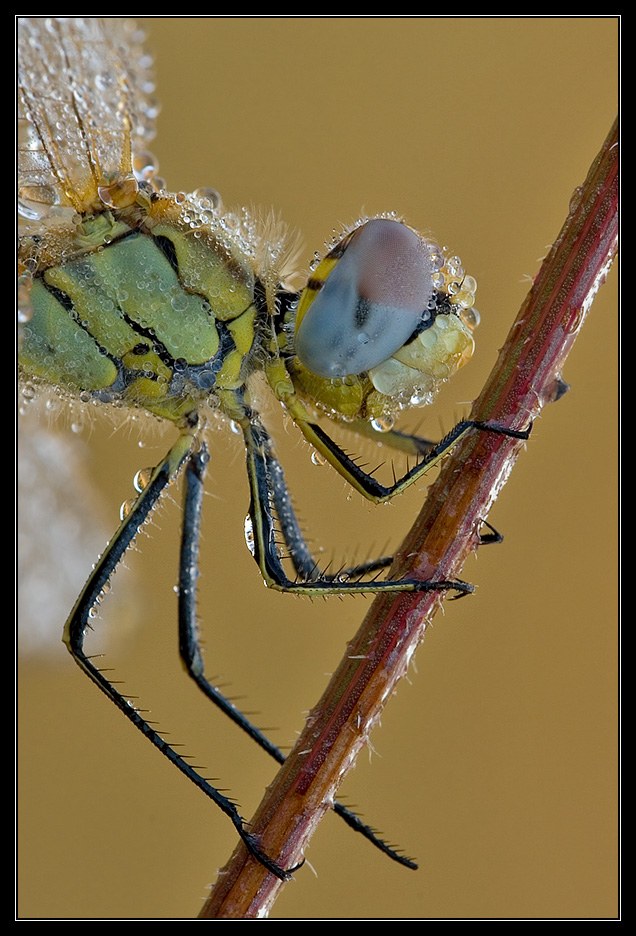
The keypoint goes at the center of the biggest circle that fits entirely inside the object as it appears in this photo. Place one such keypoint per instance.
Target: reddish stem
(524, 379)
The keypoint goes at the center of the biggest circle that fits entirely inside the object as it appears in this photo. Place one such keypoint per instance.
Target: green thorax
(147, 316)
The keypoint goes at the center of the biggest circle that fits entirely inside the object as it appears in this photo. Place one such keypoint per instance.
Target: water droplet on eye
(180, 198)
(454, 266)
(317, 459)
(464, 300)
(383, 423)
(470, 317)
(142, 479)
(126, 509)
(249, 535)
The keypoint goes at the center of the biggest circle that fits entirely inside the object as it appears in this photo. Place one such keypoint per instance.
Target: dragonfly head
(385, 319)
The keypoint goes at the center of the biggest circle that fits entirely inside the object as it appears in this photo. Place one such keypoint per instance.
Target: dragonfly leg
(189, 647)
(418, 446)
(367, 484)
(269, 490)
(76, 626)
(304, 563)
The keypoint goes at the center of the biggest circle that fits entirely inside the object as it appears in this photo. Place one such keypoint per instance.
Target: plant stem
(526, 376)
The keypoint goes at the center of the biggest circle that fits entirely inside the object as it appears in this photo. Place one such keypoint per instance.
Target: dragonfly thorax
(143, 313)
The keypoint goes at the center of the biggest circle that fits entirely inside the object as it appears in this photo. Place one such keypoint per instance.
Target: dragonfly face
(139, 298)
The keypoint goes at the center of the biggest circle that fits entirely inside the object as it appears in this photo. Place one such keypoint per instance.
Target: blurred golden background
(495, 765)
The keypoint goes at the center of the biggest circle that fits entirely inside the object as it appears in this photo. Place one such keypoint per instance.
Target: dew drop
(317, 459)
(119, 194)
(25, 309)
(208, 197)
(454, 266)
(383, 423)
(52, 405)
(104, 81)
(179, 302)
(470, 317)
(249, 535)
(145, 165)
(575, 199)
(465, 300)
(469, 283)
(142, 479)
(126, 509)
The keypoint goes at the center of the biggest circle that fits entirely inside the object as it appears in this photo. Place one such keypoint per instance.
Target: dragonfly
(135, 298)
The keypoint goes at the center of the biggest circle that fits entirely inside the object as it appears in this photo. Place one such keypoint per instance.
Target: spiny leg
(189, 647)
(305, 565)
(412, 444)
(491, 538)
(189, 644)
(257, 445)
(78, 622)
(416, 445)
(406, 442)
(369, 486)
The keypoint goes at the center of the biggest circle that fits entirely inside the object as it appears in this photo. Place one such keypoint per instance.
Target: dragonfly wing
(85, 103)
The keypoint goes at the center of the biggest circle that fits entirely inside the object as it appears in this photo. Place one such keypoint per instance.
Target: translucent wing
(53, 523)
(85, 103)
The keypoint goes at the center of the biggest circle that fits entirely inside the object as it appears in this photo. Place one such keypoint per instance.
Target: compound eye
(370, 304)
